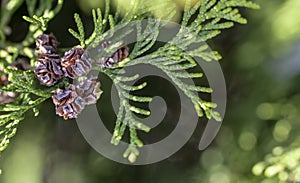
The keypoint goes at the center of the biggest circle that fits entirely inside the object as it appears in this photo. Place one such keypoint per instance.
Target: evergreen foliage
(205, 19)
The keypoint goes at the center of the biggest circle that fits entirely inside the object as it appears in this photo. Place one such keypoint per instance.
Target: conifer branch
(40, 19)
(205, 19)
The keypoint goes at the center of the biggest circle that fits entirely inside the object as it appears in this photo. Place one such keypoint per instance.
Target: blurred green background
(259, 140)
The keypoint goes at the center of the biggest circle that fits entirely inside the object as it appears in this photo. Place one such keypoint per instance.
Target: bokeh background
(259, 140)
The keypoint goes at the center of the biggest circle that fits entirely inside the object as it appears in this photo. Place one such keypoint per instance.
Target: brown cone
(46, 44)
(76, 62)
(48, 69)
(7, 97)
(119, 55)
(89, 90)
(67, 103)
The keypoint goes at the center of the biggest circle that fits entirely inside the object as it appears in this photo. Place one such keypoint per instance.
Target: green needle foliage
(204, 20)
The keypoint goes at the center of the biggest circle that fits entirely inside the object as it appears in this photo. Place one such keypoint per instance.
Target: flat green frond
(126, 79)
(117, 136)
(175, 73)
(74, 33)
(98, 26)
(23, 81)
(140, 126)
(139, 111)
(185, 75)
(172, 60)
(131, 153)
(81, 34)
(32, 20)
(197, 88)
(12, 114)
(133, 88)
(189, 12)
(39, 19)
(126, 113)
(7, 133)
(179, 67)
(206, 35)
(145, 39)
(111, 21)
(211, 26)
(137, 98)
(214, 15)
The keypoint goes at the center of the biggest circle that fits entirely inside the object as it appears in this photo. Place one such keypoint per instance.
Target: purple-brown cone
(119, 55)
(7, 97)
(89, 90)
(46, 44)
(67, 103)
(48, 69)
(76, 62)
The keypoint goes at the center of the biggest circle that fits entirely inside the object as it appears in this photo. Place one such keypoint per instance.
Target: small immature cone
(7, 97)
(119, 55)
(21, 64)
(76, 62)
(48, 69)
(89, 90)
(46, 44)
(68, 104)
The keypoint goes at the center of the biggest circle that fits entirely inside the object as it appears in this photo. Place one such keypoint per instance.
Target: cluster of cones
(50, 68)
(71, 101)
(75, 64)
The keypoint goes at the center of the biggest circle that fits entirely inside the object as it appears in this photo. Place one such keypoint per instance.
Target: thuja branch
(175, 70)
(125, 116)
(40, 19)
(205, 19)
